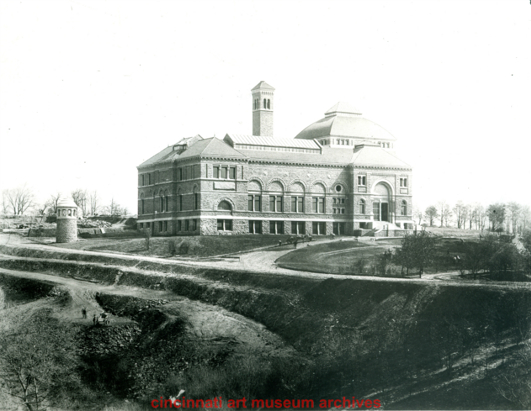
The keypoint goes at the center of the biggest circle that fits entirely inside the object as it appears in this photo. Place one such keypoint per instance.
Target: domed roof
(343, 120)
(67, 202)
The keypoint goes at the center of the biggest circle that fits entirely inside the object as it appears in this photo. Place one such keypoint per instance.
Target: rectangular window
(186, 225)
(232, 173)
(224, 225)
(255, 227)
(318, 204)
(148, 225)
(179, 223)
(276, 227)
(196, 171)
(224, 172)
(298, 227)
(297, 204)
(362, 180)
(141, 225)
(196, 201)
(165, 226)
(253, 202)
(142, 179)
(160, 226)
(179, 174)
(216, 172)
(194, 225)
(180, 202)
(403, 182)
(319, 228)
(149, 179)
(279, 207)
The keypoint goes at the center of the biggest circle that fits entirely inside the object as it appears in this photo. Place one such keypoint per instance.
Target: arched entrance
(381, 201)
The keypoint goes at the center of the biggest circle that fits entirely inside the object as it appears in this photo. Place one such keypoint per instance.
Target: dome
(69, 203)
(343, 120)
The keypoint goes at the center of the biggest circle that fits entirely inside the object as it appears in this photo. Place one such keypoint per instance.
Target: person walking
(84, 313)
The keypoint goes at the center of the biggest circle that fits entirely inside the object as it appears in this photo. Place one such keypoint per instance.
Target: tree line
(21, 201)
(508, 217)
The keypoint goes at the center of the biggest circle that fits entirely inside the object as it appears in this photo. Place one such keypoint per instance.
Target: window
(339, 188)
(165, 226)
(253, 202)
(148, 225)
(161, 200)
(319, 228)
(297, 204)
(142, 206)
(362, 180)
(403, 208)
(255, 227)
(179, 174)
(196, 171)
(216, 172)
(338, 228)
(268, 104)
(160, 226)
(224, 172)
(275, 203)
(224, 205)
(265, 103)
(186, 225)
(180, 202)
(142, 179)
(362, 206)
(403, 182)
(232, 173)
(196, 201)
(194, 225)
(298, 227)
(224, 225)
(149, 179)
(179, 225)
(276, 227)
(318, 204)
(140, 226)
(167, 203)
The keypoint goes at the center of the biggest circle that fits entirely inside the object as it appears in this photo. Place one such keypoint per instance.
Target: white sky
(90, 89)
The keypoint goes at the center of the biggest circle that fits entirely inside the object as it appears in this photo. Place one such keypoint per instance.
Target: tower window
(265, 103)
(362, 180)
(268, 104)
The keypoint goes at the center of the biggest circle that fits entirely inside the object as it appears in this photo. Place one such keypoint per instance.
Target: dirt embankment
(363, 338)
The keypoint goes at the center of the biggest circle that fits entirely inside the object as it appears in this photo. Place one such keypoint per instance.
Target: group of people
(103, 318)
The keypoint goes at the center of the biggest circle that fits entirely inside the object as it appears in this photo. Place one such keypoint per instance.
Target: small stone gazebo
(66, 221)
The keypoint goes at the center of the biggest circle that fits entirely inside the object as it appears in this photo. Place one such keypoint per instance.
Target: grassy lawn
(344, 257)
(196, 246)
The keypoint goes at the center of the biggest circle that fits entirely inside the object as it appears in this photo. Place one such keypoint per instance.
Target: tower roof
(262, 86)
(342, 108)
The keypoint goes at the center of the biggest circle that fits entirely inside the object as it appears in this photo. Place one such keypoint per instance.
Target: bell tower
(263, 100)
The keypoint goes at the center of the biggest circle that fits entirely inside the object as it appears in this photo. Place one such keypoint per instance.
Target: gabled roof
(261, 86)
(211, 147)
(238, 139)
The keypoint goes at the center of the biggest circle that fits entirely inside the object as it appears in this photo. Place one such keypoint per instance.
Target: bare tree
(94, 203)
(514, 210)
(418, 214)
(81, 199)
(431, 214)
(19, 199)
(444, 212)
(496, 213)
(525, 218)
(460, 213)
(52, 202)
(114, 208)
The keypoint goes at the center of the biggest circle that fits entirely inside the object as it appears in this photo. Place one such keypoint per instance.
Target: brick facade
(263, 185)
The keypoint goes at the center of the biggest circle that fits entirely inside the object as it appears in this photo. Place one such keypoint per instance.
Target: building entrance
(380, 211)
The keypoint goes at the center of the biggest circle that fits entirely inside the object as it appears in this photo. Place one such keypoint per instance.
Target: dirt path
(263, 261)
(206, 321)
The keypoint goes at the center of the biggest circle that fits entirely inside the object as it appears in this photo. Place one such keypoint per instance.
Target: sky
(91, 89)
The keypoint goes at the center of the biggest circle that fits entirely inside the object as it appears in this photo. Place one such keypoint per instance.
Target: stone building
(337, 175)
(66, 221)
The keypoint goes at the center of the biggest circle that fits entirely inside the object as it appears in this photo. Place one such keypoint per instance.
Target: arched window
(161, 201)
(403, 208)
(268, 104)
(166, 200)
(265, 103)
(362, 206)
(225, 206)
